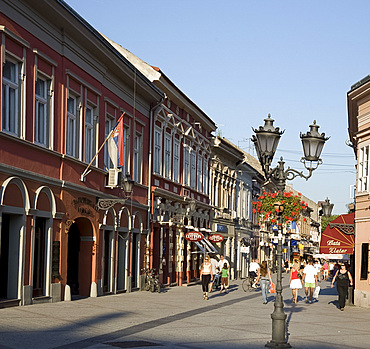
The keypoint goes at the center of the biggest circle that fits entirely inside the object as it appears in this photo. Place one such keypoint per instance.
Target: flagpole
(86, 172)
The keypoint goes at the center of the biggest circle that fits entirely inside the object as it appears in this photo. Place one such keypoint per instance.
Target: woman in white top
(206, 275)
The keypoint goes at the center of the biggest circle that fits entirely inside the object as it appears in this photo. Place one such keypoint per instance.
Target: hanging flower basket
(293, 206)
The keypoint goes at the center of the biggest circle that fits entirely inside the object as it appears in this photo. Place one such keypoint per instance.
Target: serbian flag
(115, 144)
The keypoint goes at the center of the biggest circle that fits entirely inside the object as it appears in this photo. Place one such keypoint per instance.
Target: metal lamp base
(272, 344)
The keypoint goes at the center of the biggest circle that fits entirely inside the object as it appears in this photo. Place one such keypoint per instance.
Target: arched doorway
(79, 262)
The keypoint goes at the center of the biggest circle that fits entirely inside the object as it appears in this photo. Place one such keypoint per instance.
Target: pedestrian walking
(206, 276)
(326, 270)
(331, 269)
(224, 278)
(222, 261)
(215, 274)
(318, 269)
(264, 278)
(309, 278)
(343, 276)
(295, 279)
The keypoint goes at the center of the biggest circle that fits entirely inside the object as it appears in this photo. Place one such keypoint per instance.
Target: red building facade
(64, 231)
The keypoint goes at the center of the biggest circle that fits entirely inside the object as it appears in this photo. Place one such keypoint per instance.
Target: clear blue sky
(240, 60)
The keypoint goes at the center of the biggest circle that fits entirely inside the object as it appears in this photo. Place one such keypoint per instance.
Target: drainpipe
(152, 112)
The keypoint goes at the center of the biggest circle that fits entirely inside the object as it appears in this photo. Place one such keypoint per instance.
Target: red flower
(254, 210)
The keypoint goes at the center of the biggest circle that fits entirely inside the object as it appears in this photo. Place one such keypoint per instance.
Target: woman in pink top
(295, 279)
(326, 270)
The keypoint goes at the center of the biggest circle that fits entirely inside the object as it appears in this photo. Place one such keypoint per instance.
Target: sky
(241, 60)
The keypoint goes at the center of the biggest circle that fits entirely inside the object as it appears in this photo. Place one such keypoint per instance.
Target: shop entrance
(79, 263)
(135, 259)
(121, 261)
(39, 258)
(11, 226)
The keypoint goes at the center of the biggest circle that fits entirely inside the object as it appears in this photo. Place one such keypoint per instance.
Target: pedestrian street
(180, 318)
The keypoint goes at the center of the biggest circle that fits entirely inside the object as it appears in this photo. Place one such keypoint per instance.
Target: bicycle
(247, 283)
(152, 282)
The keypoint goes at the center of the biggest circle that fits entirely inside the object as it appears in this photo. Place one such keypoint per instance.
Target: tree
(326, 220)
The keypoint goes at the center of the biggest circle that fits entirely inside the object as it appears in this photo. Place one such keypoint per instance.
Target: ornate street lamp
(128, 184)
(327, 208)
(265, 142)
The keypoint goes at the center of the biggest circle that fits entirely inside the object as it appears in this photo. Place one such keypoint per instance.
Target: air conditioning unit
(114, 177)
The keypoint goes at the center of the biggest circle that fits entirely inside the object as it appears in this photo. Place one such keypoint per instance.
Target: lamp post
(266, 140)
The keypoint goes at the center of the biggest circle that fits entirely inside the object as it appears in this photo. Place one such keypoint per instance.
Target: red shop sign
(193, 236)
(216, 238)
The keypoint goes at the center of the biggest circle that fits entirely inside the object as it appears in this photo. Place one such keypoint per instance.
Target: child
(224, 278)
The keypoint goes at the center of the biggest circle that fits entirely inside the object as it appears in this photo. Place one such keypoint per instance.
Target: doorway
(107, 258)
(121, 261)
(80, 252)
(73, 259)
(9, 256)
(135, 264)
(39, 272)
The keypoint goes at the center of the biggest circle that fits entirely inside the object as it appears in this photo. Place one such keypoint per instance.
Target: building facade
(236, 180)
(358, 100)
(179, 162)
(66, 231)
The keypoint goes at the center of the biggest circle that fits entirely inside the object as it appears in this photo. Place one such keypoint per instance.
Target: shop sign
(84, 206)
(222, 228)
(193, 236)
(216, 238)
(244, 249)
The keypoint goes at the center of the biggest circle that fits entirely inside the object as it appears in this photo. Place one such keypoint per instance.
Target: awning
(343, 257)
(205, 246)
(339, 235)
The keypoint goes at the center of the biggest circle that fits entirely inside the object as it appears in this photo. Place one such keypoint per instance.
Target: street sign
(244, 249)
(275, 227)
(193, 236)
(216, 238)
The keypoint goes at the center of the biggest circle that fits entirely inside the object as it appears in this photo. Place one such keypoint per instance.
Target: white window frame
(108, 126)
(167, 155)
(205, 176)
(193, 168)
(157, 151)
(186, 165)
(138, 164)
(89, 134)
(199, 173)
(7, 115)
(363, 169)
(176, 160)
(72, 127)
(42, 127)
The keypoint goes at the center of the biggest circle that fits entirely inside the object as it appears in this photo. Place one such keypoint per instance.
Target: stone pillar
(179, 255)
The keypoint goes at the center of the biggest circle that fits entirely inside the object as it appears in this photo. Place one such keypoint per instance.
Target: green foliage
(326, 220)
(293, 205)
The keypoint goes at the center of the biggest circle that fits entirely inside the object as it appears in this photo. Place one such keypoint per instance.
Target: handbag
(316, 292)
(272, 288)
